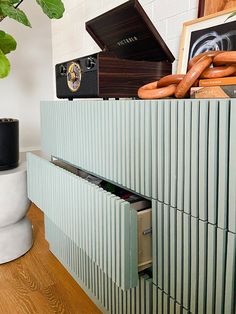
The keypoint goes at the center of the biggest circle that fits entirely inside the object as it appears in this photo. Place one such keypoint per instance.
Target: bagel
(218, 72)
(225, 58)
(150, 91)
(192, 75)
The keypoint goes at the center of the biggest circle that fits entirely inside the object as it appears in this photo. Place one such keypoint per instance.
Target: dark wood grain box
(133, 53)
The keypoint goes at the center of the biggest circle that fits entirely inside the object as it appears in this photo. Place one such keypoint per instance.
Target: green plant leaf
(9, 1)
(16, 14)
(54, 9)
(231, 15)
(7, 43)
(4, 65)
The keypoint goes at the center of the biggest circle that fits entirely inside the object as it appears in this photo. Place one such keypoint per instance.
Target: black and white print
(218, 37)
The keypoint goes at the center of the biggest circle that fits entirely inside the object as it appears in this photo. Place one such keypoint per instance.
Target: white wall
(70, 39)
(32, 75)
(31, 78)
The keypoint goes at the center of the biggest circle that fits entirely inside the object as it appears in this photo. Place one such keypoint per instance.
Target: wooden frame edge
(191, 22)
(201, 8)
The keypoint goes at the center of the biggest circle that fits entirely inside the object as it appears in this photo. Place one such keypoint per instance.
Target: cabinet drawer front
(88, 275)
(102, 225)
(111, 139)
(193, 261)
(179, 152)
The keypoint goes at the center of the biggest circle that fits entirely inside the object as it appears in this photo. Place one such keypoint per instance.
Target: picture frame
(212, 30)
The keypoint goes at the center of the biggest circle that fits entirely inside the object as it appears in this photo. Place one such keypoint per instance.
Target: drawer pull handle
(147, 231)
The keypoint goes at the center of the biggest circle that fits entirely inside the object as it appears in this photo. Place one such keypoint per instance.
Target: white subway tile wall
(70, 39)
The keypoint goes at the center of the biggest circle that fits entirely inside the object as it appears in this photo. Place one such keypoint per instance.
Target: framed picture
(206, 7)
(213, 32)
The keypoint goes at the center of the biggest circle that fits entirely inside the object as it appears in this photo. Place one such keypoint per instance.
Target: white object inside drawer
(144, 239)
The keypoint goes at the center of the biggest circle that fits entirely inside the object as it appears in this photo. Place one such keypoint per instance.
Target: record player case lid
(128, 32)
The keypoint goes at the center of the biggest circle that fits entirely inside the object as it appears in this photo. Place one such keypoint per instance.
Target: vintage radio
(133, 53)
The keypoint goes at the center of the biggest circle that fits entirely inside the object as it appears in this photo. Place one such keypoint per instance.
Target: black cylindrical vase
(9, 144)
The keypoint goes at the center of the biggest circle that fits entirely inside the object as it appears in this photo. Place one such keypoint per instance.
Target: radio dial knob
(63, 70)
(90, 63)
(74, 76)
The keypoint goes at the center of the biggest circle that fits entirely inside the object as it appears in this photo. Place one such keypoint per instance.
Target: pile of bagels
(209, 64)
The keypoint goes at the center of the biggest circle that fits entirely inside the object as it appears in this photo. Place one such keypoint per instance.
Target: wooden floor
(38, 283)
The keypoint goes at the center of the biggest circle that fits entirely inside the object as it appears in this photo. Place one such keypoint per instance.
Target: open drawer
(101, 224)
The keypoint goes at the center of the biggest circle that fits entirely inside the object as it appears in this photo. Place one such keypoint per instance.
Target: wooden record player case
(133, 53)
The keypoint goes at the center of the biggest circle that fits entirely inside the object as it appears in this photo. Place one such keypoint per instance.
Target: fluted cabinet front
(179, 152)
(194, 261)
(138, 300)
(102, 226)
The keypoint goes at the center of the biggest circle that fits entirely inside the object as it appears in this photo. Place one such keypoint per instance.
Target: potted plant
(9, 128)
(54, 9)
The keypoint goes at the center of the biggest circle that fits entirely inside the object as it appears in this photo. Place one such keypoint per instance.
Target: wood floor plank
(37, 283)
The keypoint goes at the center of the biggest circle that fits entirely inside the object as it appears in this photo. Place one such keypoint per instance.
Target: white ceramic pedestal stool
(15, 228)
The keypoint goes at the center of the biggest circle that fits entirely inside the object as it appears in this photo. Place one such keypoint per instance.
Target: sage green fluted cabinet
(179, 154)
(102, 225)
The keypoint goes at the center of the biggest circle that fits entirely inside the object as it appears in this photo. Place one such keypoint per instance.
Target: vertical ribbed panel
(194, 262)
(112, 133)
(167, 152)
(194, 183)
(213, 161)
(202, 279)
(187, 157)
(232, 170)
(211, 269)
(223, 164)
(194, 240)
(90, 217)
(166, 251)
(158, 243)
(160, 151)
(186, 260)
(173, 251)
(112, 298)
(230, 280)
(175, 151)
(180, 153)
(220, 271)
(203, 159)
(164, 304)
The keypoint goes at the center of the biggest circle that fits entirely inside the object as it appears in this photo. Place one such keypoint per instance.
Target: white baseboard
(29, 149)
